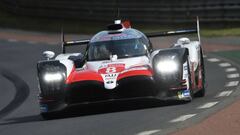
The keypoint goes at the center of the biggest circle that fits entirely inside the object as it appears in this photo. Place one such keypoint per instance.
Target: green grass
(221, 32)
(8, 20)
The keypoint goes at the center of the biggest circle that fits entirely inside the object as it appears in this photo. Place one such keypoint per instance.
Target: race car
(118, 64)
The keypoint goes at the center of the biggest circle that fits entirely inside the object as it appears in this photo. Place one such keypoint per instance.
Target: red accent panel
(68, 80)
(126, 24)
(200, 82)
(193, 77)
(135, 73)
(84, 75)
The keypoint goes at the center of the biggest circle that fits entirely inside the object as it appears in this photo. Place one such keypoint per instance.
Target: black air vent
(114, 27)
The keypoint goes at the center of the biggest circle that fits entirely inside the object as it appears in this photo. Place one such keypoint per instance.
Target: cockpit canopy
(124, 44)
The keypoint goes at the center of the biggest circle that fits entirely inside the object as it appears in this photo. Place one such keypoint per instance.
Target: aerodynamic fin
(71, 43)
(198, 30)
(177, 32)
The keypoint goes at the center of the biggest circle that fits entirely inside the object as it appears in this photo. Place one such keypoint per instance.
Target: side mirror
(78, 60)
(48, 54)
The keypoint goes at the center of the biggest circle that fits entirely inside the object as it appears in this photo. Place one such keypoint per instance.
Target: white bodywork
(109, 77)
(63, 58)
(194, 50)
(192, 46)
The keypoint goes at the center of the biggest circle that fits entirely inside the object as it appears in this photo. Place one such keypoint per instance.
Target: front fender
(178, 55)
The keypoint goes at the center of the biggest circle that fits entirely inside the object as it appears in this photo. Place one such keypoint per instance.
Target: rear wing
(72, 43)
(149, 35)
(177, 32)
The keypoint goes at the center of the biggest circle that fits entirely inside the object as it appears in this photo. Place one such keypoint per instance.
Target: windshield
(121, 48)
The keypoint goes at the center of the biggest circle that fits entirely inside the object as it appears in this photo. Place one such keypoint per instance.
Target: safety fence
(161, 11)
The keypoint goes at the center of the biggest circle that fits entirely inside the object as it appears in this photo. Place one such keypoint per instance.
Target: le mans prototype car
(120, 63)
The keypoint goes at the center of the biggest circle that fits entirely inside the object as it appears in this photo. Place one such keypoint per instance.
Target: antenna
(118, 14)
(118, 9)
(63, 40)
(198, 30)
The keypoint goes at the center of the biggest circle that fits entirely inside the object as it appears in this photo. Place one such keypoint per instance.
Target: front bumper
(93, 91)
(86, 92)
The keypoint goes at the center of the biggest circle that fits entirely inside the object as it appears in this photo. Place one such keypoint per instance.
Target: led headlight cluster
(167, 66)
(53, 77)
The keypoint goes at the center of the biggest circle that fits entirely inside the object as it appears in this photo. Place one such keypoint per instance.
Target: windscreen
(122, 48)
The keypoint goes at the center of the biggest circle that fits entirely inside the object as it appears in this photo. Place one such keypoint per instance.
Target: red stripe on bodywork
(84, 75)
(135, 73)
(200, 82)
(88, 75)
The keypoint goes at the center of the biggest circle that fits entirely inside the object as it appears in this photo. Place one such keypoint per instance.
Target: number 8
(111, 70)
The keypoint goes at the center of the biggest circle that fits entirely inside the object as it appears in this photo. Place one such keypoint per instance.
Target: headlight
(53, 77)
(167, 66)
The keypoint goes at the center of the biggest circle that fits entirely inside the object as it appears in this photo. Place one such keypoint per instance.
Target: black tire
(50, 115)
(202, 92)
(190, 85)
(47, 116)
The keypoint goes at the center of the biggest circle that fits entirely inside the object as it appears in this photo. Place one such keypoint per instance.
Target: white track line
(213, 60)
(224, 93)
(232, 83)
(225, 64)
(231, 70)
(207, 105)
(150, 132)
(233, 75)
(12, 40)
(183, 118)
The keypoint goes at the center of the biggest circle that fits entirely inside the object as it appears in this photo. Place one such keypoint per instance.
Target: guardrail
(161, 11)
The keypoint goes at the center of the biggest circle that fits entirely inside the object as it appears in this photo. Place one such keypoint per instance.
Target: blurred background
(81, 16)
(30, 27)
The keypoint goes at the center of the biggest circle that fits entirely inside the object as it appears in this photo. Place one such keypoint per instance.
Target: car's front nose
(94, 91)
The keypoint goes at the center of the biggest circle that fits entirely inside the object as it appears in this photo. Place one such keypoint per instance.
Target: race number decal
(109, 73)
(110, 70)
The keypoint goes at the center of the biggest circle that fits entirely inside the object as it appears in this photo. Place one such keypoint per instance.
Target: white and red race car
(120, 63)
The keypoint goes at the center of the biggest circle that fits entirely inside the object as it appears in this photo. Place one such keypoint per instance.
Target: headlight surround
(53, 77)
(167, 66)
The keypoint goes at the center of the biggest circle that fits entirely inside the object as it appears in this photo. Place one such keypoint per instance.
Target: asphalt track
(19, 111)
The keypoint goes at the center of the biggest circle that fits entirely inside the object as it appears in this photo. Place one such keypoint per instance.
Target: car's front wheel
(202, 91)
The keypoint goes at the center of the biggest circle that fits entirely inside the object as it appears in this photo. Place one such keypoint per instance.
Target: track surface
(19, 112)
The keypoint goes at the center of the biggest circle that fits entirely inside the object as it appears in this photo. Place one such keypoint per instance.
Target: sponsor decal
(183, 94)
(186, 93)
(110, 72)
(43, 107)
(135, 68)
(110, 75)
(110, 80)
